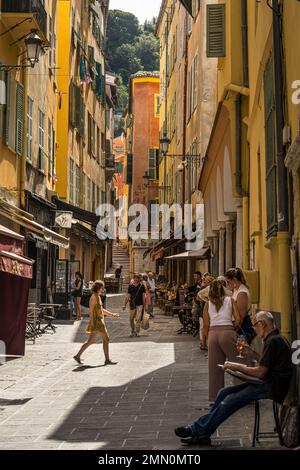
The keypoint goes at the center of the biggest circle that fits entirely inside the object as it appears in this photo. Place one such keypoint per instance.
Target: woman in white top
(240, 293)
(218, 328)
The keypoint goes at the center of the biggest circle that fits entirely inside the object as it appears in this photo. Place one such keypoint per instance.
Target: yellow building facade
(243, 181)
(187, 107)
(81, 133)
(28, 121)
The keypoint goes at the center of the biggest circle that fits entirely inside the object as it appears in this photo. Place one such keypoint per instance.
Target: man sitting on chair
(274, 368)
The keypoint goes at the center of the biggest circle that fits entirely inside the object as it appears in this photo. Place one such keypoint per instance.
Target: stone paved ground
(159, 382)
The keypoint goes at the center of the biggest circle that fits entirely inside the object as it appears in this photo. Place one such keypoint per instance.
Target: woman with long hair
(218, 329)
(240, 293)
(96, 326)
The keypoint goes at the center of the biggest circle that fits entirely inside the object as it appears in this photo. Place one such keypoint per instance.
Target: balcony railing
(34, 7)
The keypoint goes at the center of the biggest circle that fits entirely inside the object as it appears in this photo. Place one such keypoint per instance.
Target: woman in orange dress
(96, 326)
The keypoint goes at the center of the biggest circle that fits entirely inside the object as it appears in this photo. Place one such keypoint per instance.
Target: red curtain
(13, 310)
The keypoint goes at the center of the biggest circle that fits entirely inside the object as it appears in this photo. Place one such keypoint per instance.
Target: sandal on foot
(77, 359)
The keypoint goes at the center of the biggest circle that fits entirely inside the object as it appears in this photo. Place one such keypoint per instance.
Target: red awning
(17, 265)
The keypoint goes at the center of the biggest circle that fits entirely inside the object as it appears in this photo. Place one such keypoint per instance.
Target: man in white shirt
(151, 282)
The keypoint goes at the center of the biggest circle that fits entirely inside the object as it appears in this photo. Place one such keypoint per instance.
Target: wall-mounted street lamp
(164, 145)
(34, 47)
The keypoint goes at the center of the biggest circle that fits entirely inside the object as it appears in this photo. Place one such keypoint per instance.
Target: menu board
(61, 276)
(74, 266)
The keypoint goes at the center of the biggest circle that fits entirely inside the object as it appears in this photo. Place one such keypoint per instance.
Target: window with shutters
(79, 112)
(72, 113)
(11, 111)
(71, 181)
(50, 40)
(129, 169)
(98, 149)
(270, 143)
(189, 94)
(93, 197)
(29, 129)
(92, 136)
(195, 83)
(156, 105)
(19, 118)
(41, 154)
(83, 191)
(53, 153)
(49, 147)
(153, 162)
(77, 186)
(88, 201)
(215, 16)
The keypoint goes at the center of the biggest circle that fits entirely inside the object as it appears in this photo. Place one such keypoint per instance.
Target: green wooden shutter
(98, 80)
(151, 164)
(77, 107)
(19, 118)
(129, 169)
(72, 104)
(8, 105)
(270, 149)
(103, 89)
(215, 17)
(82, 117)
(157, 164)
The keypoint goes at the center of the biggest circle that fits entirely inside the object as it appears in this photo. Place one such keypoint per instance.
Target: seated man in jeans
(274, 368)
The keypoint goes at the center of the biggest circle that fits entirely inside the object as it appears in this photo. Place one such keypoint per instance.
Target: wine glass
(240, 343)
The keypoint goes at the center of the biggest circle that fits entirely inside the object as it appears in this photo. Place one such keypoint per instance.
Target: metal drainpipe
(245, 56)
(282, 183)
(165, 131)
(24, 146)
(283, 236)
(184, 117)
(245, 43)
(238, 143)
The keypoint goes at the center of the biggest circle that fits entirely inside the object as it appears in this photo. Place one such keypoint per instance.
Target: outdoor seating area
(40, 319)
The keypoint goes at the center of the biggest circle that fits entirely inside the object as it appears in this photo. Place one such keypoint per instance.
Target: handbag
(289, 416)
(247, 329)
(290, 425)
(145, 323)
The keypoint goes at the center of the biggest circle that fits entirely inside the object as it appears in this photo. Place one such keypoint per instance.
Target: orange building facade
(143, 154)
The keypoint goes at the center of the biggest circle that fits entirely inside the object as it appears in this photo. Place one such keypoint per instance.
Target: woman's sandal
(77, 359)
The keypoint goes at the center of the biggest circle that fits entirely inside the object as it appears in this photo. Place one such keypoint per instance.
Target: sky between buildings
(143, 9)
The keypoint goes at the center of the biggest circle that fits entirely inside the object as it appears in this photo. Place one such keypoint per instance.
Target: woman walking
(77, 294)
(96, 326)
(240, 293)
(218, 328)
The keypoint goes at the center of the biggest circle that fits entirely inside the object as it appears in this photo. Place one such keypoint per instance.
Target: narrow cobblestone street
(159, 382)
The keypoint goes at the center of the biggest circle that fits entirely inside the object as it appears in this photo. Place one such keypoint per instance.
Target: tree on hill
(122, 28)
(147, 50)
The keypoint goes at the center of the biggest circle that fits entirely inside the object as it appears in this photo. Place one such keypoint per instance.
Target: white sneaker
(132, 335)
